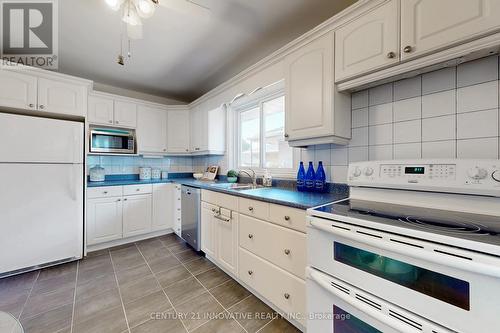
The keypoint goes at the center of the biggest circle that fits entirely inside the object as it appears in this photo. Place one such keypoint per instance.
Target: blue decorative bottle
(301, 178)
(320, 181)
(310, 178)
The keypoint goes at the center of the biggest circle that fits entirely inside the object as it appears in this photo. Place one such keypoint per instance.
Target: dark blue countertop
(281, 196)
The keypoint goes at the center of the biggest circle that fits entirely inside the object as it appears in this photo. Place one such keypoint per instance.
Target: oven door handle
(429, 256)
(375, 314)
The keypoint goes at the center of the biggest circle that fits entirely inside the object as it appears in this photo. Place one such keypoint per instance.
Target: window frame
(257, 100)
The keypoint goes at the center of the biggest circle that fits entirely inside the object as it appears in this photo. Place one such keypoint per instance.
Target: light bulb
(145, 8)
(114, 4)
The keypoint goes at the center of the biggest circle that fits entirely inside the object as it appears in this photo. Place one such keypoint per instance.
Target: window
(260, 134)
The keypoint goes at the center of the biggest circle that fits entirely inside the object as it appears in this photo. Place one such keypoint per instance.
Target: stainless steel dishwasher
(190, 222)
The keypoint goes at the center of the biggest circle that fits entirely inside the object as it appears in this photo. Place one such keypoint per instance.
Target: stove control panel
(453, 176)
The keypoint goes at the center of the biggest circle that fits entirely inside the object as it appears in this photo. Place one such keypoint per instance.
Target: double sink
(238, 187)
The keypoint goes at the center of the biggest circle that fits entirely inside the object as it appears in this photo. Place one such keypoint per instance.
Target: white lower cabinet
(104, 220)
(177, 210)
(208, 229)
(163, 206)
(136, 215)
(226, 234)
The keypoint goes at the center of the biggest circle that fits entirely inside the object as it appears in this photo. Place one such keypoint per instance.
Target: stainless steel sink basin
(237, 187)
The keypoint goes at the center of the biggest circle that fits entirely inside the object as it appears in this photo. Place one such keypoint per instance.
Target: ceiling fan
(136, 10)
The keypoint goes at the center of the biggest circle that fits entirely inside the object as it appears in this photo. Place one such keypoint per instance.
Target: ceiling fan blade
(187, 7)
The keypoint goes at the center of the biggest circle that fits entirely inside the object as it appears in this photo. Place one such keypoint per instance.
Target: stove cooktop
(471, 227)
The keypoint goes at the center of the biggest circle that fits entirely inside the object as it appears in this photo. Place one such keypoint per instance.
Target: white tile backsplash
(358, 154)
(379, 153)
(380, 95)
(439, 104)
(380, 134)
(477, 71)
(439, 128)
(380, 114)
(478, 148)
(408, 131)
(441, 80)
(408, 151)
(478, 97)
(360, 99)
(408, 88)
(360, 117)
(439, 149)
(359, 137)
(408, 109)
(479, 124)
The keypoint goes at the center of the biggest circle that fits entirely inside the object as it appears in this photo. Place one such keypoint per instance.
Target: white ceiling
(182, 56)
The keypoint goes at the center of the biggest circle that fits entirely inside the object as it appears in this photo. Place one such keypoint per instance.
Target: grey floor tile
(133, 274)
(118, 248)
(279, 325)
(129, 250)
(58, 271)
(13, 303)
(199, 310)
(173, 275)
(149, 244)
(37, 304)
(96, 286)
(141, 310)
(154, 253)
(162, 264)
(51, 321)
(230, 293)
(122, 263)
(171, 240)
(18, 282)
(252, 314)
(179, 247)
(212, 278)
(188, 255)
(199, 265)
(169, 324)
(97, 253)
(58, 282)
(110, 321)
(90, 274)
(183, 291)
(137, 289)
(224, 325)
(93, 262)
(87, 307)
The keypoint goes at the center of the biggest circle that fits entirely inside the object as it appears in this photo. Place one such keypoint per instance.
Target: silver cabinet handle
(137, 190)
(119, 200)
(287, 218)
(250, 209)
(218, 217)
(250, 272)
(117, 122)
(286, 295)
(391, 55)
(31, 105)
(287, 251)
(110, 121)
(250, 236)
(105, 192)
(408, 49)
(41, 107)
(125, 199)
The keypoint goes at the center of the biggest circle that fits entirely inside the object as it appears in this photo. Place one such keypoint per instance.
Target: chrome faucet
(253, 176)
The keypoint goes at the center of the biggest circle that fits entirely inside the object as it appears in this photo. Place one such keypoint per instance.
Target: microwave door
(111, 142)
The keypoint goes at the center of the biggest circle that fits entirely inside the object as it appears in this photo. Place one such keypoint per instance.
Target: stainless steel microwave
(115, 141)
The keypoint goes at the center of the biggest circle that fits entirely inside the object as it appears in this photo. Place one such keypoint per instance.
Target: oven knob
(496, 175)
(356, 172)
(368, 171)
(477, 173)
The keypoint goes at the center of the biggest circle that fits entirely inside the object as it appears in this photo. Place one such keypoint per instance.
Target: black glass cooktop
(476, 227)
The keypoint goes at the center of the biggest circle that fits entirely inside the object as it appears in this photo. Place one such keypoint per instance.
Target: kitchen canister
(164, 175)
(97, 174)
(145, 173)
(156, 174)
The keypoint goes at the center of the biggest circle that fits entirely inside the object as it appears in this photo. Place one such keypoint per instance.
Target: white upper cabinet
(428, 25)
(208, 131)
(178, 137)
(370, 42)
(125, 114)
(197, 135)
(62, 97)
(17, 90)
(101, 110)
(313, 107)
(151, 130)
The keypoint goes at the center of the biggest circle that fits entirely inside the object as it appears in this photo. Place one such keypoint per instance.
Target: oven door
(112, 141)
(337, 307)
(456, 288)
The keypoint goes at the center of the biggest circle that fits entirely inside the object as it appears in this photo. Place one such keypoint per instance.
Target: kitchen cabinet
(208, 131)
(369, 42)
(125, 114)
(314, 110)
(428, 25)
(163, 206)
(197, 130)
(62, 97)
(151, 130)
(104, 219)
(101, 111)
(226, 235)
(178, 210)
(208, 229)
(178, 133)
(136, 215)
(18, 90)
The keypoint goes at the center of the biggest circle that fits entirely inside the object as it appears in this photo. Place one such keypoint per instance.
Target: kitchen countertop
(277, 195)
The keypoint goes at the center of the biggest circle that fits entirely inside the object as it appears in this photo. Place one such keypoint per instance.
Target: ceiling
(182, 56)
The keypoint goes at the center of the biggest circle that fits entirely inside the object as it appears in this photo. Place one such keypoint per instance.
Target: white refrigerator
(41, 192)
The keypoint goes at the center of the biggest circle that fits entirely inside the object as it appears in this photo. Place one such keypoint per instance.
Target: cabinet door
(427, 25)
(100, 110)
(198, 131)
(177, 210)
(62, 97)
(163, 206)
(208, 225)
(309, 86)
(178, 132)
(104, 220)
(18, 90)
(227, 242)
(151, 130)
(368, 43)
(136, 215)
(125, 114)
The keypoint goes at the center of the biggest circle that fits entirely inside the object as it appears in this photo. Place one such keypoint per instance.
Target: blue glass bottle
(310, 178)
(301, 178)
(320, 180)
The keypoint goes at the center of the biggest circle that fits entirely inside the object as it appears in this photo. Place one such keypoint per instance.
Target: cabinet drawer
(254, 208)
(104, 192)
(283, 247)
(281, 288)
(137, 189)
(219, 199)
(288, 217)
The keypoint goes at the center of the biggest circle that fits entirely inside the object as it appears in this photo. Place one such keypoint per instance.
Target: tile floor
(158, 285)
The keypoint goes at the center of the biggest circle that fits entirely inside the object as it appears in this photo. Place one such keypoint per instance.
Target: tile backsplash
(449, 113)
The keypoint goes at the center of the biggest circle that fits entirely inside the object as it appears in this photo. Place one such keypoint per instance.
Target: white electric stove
(416, 248)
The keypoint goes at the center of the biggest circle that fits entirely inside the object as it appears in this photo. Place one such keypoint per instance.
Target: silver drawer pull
(125, 199)
(287, 251)
(137, 190)
(286, 295)
(119, 200)
(250, 236)
(250, 272)
(218, 217)
(105, 192)
(250, 209)
(287, 218)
